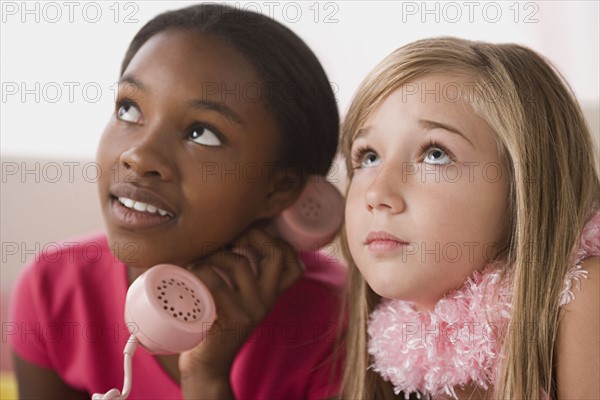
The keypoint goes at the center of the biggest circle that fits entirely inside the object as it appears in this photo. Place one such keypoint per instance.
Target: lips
(383, 241)
(135, 207)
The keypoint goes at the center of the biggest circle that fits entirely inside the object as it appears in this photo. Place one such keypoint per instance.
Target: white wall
(56, 59)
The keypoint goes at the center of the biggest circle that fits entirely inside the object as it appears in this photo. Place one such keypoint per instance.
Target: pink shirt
(67, 310)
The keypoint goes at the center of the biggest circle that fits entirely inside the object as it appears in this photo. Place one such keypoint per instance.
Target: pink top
(67, 314)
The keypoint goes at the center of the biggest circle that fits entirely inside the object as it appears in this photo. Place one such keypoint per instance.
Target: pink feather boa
(452, 345)
(459, 341)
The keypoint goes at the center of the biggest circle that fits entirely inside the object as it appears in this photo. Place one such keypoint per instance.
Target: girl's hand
(245, 289)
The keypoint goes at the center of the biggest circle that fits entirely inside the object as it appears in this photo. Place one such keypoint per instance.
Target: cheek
(487, 201)
(232, 197)
(355, 209)
(465, 219)
(435, 218)
(492, 220)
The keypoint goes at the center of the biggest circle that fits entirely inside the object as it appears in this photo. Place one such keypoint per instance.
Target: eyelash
(359, 152)
(125, 101)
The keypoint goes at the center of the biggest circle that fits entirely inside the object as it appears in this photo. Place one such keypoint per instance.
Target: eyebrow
(218, 107)
(132, 81)
(364, 131)
(196, 103)
(429, 125)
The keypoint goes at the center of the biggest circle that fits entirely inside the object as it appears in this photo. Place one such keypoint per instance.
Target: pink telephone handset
(314, 219)
(169, 310)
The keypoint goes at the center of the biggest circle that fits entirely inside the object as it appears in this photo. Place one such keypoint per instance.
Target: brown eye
(202, 135)
(129, 112)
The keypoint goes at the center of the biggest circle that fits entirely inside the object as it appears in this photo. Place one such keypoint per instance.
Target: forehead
(192, 59)
(433, 91)
(436, 97)
(179, 67)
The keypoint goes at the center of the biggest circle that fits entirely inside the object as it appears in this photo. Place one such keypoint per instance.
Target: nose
(149, 157)
(385, 192)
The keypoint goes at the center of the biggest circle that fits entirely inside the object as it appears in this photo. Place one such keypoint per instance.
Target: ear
(286, 187)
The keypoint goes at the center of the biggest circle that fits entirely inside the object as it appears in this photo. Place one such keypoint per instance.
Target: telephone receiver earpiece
(169, 310)
(314, 219)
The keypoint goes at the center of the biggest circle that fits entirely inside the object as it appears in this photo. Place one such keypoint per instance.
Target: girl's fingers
(244, 283)
(252, 274)
(293, 274)
(209, 275)
(237, 280)
(238, 268)
(277, 262)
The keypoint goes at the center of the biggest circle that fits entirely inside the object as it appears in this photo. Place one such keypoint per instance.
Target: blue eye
(370, 159)
(202, 135)
(364, 157)
(437, 156)
(129, 112)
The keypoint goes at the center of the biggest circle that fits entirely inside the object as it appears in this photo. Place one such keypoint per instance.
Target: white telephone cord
(114, 394)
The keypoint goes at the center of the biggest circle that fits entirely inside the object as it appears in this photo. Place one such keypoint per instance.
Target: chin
(396, 289)
(130, 254)
(134, 262)
(388, 290)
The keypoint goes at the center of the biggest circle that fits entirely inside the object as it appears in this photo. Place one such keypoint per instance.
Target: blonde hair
(550, 159)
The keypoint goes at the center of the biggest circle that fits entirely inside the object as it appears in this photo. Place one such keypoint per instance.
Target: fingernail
(251, 254)
(223, 276)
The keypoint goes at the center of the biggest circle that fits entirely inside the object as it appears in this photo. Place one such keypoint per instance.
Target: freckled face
(427, 201)
(185, 156)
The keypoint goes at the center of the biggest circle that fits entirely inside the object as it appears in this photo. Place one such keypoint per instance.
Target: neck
(133, 273)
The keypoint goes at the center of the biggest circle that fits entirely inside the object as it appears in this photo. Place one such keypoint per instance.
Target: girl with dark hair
(220, 118)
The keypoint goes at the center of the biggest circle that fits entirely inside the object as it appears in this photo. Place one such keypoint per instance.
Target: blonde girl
(473, 226)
